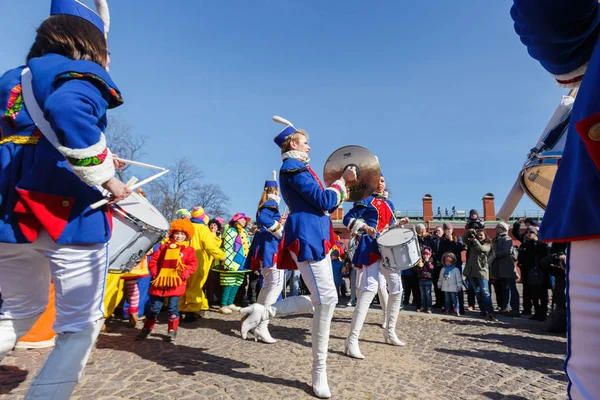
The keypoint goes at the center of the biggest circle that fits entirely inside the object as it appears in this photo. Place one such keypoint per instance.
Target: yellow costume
(208, 248)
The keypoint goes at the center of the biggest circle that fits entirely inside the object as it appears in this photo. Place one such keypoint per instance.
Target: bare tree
(176, 189)
(212, 198)
(124, 143)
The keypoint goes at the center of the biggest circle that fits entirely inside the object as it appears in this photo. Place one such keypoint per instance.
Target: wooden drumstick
(511, 202)
(139, 164)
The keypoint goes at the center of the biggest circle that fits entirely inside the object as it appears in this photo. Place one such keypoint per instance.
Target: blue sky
(442, 92)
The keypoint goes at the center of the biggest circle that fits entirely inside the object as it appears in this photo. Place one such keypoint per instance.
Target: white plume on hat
(274, 175)
(102, 11)
(283, 121)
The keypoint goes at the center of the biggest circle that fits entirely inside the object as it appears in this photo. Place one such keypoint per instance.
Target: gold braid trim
(18, 139)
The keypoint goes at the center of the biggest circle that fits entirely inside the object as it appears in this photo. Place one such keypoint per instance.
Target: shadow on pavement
(189, 361)
(539, 345)
(500, 396)
(11, 377)
(545, 365)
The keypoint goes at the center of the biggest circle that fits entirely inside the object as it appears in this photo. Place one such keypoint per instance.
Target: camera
(475, 224)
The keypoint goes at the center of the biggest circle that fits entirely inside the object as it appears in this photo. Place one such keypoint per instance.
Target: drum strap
(34, 110)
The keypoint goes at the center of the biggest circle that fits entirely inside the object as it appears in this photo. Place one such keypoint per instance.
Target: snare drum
(399, 249)
(540, 168)
(137, 227)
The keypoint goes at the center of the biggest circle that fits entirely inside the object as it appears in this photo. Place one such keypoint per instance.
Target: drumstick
(133, 187)
(153, 177)
(511, 202)
(139, 164)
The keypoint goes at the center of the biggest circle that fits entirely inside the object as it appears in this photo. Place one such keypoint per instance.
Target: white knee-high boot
(11, 330)
(389, 333)
(321, 325)
(257, 313)
(358, 318)
(383, 301)
(64, 366)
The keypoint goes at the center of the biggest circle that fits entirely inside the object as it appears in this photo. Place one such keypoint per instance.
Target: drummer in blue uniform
(563, 37)
(47, 228)
(263, 253)
(308, 237)
(370, 217)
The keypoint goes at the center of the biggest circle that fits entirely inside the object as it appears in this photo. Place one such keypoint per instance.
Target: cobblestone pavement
(445, 358)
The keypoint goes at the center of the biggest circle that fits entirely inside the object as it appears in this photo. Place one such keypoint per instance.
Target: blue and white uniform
(563, 37)
(47, 229)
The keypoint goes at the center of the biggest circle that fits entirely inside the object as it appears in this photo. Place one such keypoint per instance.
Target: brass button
(594, 132)
(65, 203)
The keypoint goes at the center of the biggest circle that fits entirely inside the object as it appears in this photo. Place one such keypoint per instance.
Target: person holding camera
(516, 230)
(476, 270)
(536, 280)
(531, 251)
(433, 241)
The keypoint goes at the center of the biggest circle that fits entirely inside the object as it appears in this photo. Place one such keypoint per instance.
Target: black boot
(148, 326)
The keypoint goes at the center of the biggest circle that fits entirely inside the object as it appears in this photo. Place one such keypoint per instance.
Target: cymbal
(367, 170)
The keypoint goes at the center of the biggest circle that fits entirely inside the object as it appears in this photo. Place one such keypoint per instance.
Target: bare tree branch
(124, 143)
(212, 198)
(176, 189)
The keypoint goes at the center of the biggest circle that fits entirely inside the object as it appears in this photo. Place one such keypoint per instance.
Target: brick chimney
(338, 214)
(427, 208)
(489, 210)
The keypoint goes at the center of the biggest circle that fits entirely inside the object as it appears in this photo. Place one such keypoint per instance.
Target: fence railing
(462, 215)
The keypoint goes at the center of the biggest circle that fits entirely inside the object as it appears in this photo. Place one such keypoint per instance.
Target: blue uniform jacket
(38, 185)
(308, 231)
(374, 211)
(563, 37)
(264, 244)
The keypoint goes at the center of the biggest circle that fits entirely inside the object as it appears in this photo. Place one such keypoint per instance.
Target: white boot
(261, 332)
(256, 313)
(11, 330)
(358, 319)
(383, 301)
(389, 334)
(64, 366)
(321, 325)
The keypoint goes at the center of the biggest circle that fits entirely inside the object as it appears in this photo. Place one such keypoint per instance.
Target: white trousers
(374, 275)
(77, 271)
(583, 305)
(273, 280)
(318, 277)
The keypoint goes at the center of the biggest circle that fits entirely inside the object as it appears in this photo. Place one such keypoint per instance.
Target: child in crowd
(170, 266)
(450, 282)
(425, 275)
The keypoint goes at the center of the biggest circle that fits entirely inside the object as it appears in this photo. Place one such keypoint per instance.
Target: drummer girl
(47, 229)
(263, 252)
(370, 217)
